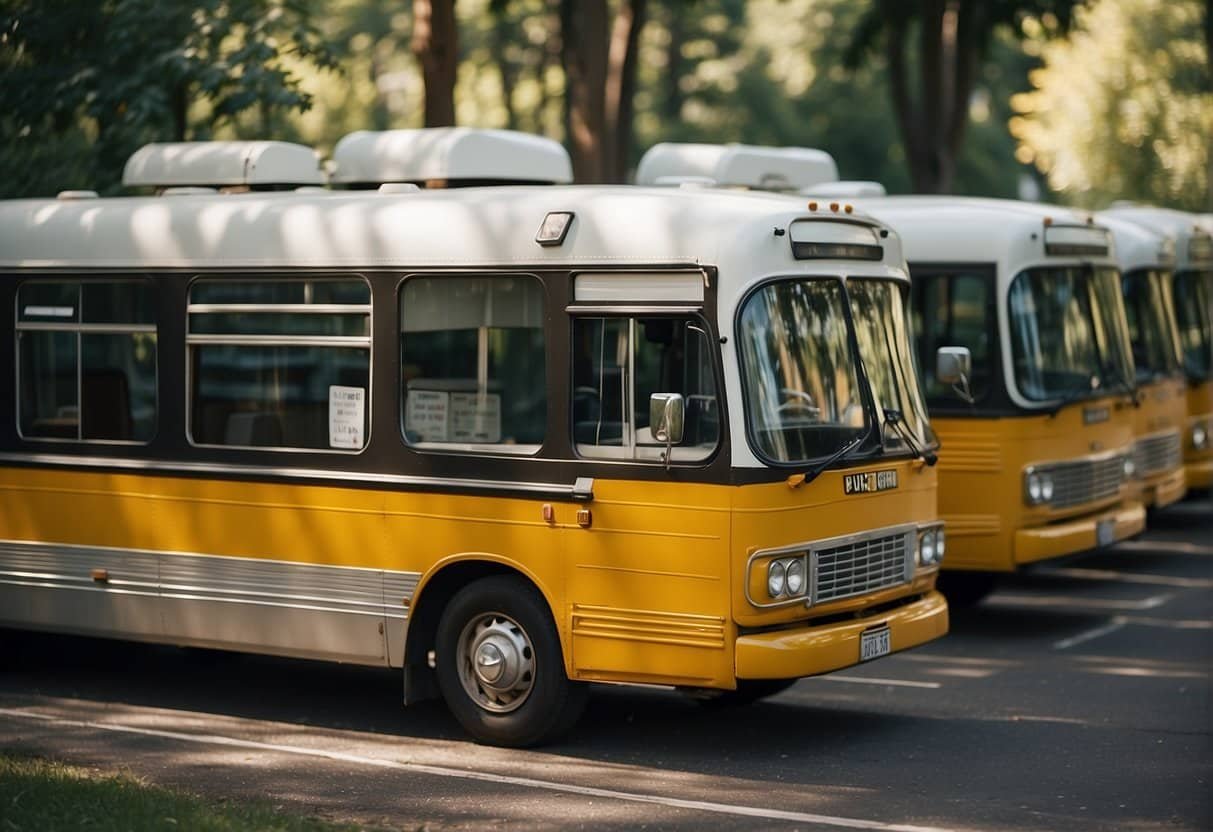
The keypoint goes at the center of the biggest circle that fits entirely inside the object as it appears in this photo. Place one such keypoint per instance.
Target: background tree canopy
(1112, 97)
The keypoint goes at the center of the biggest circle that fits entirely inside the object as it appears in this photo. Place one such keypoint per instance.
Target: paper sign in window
(347, 415)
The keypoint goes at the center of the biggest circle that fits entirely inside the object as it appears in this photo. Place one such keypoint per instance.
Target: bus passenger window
(954, 310)
(618, 363)
(472, 363)
(280, 363)
(87, 360)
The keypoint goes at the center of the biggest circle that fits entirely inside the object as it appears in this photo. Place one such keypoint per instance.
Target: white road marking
(1090, 635)
(1178, 624)
(1126, 577)
(865, 680)
(1070, 601)
(486, 777)
(1177, 546)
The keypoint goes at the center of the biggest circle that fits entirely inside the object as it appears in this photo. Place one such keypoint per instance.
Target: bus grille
(1158, 453)
(1085, 481)
(860, 566)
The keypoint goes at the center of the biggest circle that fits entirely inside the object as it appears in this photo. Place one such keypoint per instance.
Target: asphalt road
(1077, 697)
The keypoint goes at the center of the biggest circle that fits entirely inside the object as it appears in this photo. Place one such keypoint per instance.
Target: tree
(435, 43)
(110, 75)
(1122, 110)
(953, 40)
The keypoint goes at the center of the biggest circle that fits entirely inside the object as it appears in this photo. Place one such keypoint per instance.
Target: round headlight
(776, 579)
(1034, 488)
(795, 577)
(926, 550)
(939, 545)
(1200, 437)
(1130, 468)
(1046, 488)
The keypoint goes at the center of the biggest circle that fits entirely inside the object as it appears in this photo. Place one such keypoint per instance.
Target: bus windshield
(1068, 333)
(1193, 302)
(804, 396)
(1151, 330)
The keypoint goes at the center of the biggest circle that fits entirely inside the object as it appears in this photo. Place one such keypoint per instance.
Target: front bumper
(1167, 489)
(1068, 537)
(790, 654)
(1199, 473)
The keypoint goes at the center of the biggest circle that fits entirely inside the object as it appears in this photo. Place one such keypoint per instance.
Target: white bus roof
(846, 188)
(220, 164)
(975, 230)
(449, 154)
(737, 166)
(1137, 246)
(1193, 239)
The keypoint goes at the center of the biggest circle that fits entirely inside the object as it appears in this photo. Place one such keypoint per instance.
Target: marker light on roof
(554, 228)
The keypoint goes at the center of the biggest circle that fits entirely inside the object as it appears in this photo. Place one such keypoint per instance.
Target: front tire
(500, 666)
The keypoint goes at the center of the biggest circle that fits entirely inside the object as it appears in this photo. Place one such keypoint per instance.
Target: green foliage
(1123, 109)
(108, 76)
(37, 795)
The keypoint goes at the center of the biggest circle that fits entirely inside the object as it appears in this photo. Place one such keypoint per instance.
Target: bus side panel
(648, 587)
(266, 567)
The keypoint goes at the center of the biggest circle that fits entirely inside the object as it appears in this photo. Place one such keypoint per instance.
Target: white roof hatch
(737, 166)
(254, 164)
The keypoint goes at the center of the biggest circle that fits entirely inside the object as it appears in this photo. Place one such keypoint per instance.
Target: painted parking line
(1075, 602)
(1166, 547)
(481, 776)
(871, 680)
(1112, 626)
(1121, 621)
(1125, 577)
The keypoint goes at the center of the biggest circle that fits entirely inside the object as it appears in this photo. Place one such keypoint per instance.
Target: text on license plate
(1105, 532)
(873, 644)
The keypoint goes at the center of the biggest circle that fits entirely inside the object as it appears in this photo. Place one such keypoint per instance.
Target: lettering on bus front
(868, 481)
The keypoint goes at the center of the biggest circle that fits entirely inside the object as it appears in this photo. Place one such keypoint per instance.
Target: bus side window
(87, 360)
(280, 362)
(618, 363)
(473, 364)
(954, 310)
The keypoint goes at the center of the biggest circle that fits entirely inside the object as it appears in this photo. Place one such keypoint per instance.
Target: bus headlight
(1200, 437)
(926, 547)
(777, 579)
(1130, 468)
(939, 544)
(795, 577)
(1038, 487)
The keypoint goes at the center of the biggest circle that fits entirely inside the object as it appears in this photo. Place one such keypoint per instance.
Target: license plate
(874, 644)
(1105, 532)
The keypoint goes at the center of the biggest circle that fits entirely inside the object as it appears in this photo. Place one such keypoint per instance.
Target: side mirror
(953, 366)
(667, 413)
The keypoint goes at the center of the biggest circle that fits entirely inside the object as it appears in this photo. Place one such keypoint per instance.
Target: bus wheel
(748, 692)
(500, 666)
(966, 589)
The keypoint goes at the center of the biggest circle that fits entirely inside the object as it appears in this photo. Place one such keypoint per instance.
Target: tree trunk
(621, 87)
(500, 36)
(583, 55)
(436, 47)
(181, 105)
(675, 64)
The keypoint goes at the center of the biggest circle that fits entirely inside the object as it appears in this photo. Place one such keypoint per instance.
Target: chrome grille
(1084, 481)
(1163, 452)
(860, 566)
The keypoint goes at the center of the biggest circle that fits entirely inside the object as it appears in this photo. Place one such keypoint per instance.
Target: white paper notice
(475, 417)
(425, 415)
(347, 414)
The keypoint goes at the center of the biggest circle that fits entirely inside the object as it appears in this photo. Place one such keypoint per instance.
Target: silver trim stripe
(580, 491)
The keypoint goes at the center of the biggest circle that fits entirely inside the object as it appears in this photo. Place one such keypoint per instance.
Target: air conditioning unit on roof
(252, 164)
(738, 165)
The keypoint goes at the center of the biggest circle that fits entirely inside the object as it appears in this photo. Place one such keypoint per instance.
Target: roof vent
(68, 196)
(254, 165)
(449, 156)
(738, 165)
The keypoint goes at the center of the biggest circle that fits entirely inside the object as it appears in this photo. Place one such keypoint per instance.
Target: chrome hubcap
(496, 662)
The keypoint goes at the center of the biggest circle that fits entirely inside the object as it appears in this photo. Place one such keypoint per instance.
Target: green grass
(39, 795)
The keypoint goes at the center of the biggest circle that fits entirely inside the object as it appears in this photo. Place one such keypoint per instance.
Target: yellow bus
(1192, 295)
(1147, 261)
(1037, 433)
(510, 439)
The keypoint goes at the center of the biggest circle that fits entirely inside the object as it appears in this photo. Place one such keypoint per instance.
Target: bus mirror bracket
(667, 415)
(953, 366)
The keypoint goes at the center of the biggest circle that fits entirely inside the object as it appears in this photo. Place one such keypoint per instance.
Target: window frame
(80, 328)
(347, 342)
(486, 450)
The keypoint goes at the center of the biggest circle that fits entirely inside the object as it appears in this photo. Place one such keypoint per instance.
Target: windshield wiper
(797, 480)
(897, 420)
(1071, 396)
(1129, 387)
